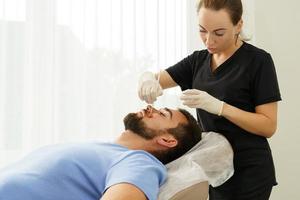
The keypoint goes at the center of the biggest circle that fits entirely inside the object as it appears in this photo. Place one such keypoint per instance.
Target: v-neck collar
(224, 64)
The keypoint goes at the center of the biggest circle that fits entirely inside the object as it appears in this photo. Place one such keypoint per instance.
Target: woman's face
(217, 30)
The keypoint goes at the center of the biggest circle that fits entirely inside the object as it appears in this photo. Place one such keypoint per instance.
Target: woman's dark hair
(233, 7)
(187, 135)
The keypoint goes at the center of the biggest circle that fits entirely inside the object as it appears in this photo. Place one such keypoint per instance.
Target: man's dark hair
(187, 135)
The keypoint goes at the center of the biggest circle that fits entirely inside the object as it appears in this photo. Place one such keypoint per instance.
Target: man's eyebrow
(171, 114)
(218, 29)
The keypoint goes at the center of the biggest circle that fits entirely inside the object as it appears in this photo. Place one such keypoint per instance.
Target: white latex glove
(200, 99)
(149, 88)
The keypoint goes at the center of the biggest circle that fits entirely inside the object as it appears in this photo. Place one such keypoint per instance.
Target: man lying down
(131, 168)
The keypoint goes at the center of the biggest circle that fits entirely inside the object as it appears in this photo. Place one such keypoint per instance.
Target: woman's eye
(219, 34)
(202, 31)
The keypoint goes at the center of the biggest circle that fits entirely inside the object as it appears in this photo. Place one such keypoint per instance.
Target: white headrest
(209, 160)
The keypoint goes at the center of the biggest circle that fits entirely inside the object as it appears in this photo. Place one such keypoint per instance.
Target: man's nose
(151, 110)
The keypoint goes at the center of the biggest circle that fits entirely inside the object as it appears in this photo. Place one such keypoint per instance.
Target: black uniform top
(245, 80)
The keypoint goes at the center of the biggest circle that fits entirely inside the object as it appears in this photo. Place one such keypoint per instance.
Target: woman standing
(233, 86)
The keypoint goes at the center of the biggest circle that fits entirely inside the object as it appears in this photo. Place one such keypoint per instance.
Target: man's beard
(135, 124)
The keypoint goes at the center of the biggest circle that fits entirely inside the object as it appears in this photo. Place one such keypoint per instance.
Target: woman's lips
(211, 49)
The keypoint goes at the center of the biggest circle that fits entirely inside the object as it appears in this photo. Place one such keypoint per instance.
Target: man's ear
(166, 140)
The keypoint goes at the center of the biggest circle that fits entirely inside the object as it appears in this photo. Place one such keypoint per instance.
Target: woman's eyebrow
(201, 27)
(171, 114)
(218, 29)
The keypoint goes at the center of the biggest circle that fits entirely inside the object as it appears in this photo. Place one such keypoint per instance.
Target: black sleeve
(265, 84)
(182, 72)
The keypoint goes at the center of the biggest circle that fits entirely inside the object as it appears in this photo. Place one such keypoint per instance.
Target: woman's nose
(209, 40)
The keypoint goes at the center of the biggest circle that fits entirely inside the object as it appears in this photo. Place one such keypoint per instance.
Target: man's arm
(123, 191)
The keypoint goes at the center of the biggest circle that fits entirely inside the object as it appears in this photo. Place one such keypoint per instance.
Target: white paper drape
(69, 68)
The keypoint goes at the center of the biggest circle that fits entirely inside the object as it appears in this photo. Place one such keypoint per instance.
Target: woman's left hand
(200, 99)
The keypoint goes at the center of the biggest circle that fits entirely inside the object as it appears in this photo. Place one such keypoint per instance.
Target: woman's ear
(166, 140)
(239, 26)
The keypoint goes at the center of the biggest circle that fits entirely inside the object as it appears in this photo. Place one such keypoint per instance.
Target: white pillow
(209, 160)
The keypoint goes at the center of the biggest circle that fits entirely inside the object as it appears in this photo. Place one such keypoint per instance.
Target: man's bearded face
(135, 124)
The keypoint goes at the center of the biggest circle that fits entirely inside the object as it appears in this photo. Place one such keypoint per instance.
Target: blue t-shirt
(80, 171)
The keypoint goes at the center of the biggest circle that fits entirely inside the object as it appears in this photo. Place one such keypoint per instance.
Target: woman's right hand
(149, 88)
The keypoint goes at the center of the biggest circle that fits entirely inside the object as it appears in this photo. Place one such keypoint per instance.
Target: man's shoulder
(140, 169)
(140, 157)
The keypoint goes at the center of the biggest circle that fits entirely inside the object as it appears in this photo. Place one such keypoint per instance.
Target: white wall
(275, 27)
(277, 30)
